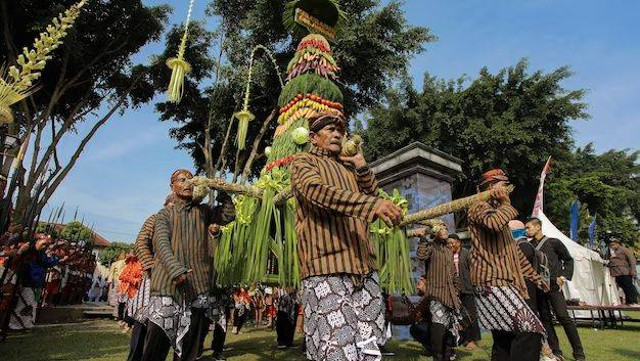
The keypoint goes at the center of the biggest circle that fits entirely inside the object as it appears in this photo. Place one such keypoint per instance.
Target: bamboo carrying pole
(283, 196)
(201, 184)
(418, 217)
(429, 223)
(449, 207)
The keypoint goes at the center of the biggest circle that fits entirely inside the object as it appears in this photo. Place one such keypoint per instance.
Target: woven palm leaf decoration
(245, 116)
(179, 67)
(261, 244)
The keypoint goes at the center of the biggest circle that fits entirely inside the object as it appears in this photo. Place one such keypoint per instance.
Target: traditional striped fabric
(143, 248)
(441, 280)
(334, 208)
(496, 259)
(181, 243)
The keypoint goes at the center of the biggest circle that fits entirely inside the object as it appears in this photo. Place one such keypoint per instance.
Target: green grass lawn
(102, 340)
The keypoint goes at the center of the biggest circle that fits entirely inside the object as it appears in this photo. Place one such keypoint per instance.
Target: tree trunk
(256, 145)
(31, 201)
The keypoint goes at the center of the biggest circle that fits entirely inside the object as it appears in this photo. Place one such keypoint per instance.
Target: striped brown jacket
(181, 242)
(442, 284)
(334, 208)
(143, 248)
(496, 259)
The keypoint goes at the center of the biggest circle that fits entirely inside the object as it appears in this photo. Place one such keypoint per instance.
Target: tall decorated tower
(261, 244)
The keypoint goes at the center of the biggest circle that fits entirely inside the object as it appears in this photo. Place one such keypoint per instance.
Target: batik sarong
(344, 317)
(137, 306)
(503, 309)
(175, 318)
(445, 316)
(23, 316)
(216, 309)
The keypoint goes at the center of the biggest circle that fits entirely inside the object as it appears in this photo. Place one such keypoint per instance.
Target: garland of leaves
(392, 250)
(310, 84)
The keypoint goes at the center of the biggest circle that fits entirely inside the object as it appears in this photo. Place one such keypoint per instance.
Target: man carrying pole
(343, 306)
(498, 272)
(183, 245)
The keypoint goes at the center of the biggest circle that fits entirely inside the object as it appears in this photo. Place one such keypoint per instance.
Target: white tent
(591, 283)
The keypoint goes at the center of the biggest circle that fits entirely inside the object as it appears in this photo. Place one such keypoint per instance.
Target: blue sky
(122, 178)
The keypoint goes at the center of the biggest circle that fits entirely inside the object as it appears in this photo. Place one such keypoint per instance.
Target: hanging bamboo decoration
(245, 116)
(19, 83)
(450, 207)
(179, 67)
(17, 161)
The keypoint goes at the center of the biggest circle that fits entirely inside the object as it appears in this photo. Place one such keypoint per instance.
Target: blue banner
(573, 224)
(592, 231)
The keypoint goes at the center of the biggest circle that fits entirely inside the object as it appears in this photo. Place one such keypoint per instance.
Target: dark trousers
(629, 289)
(191, 340)
(532, 290)
(219, 337)
(555, 301)
(510, 346)
(137, 342)
(438, 335)
(435, 338)
(285, 329)
(472, 332)
(238, 320)
(529, 340)
(157, 344)
(121, 307)
(421, 332)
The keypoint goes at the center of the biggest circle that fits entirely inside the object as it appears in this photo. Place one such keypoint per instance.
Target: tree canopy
(75, 231)
(110, 254)
(607, 185)
(513, 120)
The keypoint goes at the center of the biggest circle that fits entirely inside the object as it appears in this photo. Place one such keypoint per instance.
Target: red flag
(537, 207)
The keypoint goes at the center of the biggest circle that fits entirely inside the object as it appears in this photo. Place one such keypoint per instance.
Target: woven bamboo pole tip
(450, 207)
(283, 196)
(201, 183)
(429, 223)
